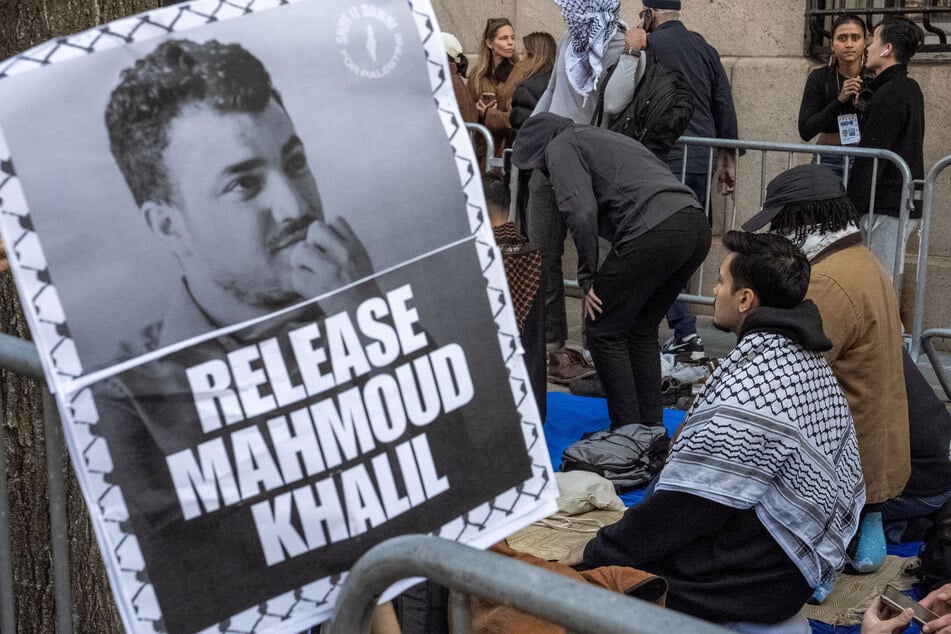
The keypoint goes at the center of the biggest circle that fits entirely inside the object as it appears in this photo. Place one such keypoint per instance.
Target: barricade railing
(469, 572)
(21, 357)
(805, 151)
(492, 161)
(922, 340)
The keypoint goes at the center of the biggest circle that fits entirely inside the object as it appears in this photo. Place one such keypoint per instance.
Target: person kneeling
(763, 487)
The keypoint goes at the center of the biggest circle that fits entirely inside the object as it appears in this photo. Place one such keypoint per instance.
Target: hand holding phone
(894, 598)
(647, 20)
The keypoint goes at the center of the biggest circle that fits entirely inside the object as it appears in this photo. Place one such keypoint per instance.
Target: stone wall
(761, 43)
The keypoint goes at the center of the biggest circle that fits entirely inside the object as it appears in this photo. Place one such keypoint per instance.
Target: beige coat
(860, 315)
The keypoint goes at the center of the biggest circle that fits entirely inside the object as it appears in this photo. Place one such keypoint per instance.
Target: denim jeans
(637, 283)
(547, 231)
(897, 511)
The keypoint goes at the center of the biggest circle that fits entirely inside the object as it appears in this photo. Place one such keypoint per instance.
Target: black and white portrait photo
(252, 249)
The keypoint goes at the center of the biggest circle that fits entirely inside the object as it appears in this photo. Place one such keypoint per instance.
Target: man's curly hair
(177, 74)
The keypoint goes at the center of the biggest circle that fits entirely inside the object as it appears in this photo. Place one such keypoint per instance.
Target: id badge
(849, 129)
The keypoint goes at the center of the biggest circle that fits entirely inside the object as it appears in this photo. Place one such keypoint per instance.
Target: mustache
(291, 232)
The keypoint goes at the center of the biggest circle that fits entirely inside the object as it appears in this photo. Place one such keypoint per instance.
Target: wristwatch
(633, 51)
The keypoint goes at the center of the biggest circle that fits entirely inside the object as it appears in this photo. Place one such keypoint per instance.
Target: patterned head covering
(591, 25)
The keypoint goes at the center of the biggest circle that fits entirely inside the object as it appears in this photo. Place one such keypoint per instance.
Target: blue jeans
(834, 163)
(897, 511)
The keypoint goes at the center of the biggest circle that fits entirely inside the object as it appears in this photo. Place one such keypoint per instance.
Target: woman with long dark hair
(828, 99)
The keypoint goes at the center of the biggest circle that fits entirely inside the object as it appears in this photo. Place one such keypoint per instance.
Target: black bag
(628, 456)
(935, 553)
(659, 112)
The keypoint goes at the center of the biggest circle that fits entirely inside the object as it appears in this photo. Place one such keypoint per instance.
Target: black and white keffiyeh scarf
(591, 25)
(772, 431)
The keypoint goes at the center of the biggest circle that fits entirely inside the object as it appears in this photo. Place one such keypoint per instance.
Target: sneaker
(869, 546)
(690, 348)
(587, 386)
(565, 364)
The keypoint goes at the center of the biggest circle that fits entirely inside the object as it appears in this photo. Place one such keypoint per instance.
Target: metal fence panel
(921, 281)
(542, 593)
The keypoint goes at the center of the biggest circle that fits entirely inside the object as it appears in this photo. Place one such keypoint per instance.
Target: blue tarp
(570, 417)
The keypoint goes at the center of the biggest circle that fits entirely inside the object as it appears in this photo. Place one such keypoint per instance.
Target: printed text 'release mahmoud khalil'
(324, 432)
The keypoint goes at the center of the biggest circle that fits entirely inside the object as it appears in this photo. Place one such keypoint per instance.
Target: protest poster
(252, 247)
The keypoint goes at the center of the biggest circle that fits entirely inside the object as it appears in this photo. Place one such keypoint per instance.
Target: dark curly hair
(178, 73)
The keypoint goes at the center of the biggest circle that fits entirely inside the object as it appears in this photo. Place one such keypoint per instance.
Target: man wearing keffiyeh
(591, 25)
(855, 296)
(595, 40)
(763, 487)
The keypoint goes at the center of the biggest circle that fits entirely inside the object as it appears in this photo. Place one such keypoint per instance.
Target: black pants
(637, 284)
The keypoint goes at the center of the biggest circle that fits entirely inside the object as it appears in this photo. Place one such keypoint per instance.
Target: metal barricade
(542, 593)
(21, 357)
(922, 340)
(492, 161)
(806, 151)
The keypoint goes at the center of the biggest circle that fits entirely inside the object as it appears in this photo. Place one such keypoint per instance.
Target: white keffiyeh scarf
(771, 431)
(591, 25)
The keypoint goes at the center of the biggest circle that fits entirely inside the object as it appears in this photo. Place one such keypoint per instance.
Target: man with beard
(763, 487)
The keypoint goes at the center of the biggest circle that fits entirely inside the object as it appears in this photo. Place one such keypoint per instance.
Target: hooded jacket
(606, 184)
(763, 487)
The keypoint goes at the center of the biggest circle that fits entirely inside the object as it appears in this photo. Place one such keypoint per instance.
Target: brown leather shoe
(565, 364)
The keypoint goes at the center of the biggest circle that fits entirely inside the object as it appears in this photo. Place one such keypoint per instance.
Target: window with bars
(933, 16)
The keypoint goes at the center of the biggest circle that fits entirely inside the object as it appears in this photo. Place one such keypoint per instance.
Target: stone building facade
(762, 44)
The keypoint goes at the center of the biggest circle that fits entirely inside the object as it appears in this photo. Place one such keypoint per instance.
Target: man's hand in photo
(330, 256)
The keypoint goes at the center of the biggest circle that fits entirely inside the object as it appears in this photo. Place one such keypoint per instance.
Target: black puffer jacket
(526, 96)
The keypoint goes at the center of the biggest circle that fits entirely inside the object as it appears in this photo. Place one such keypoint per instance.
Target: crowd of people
(816, 440)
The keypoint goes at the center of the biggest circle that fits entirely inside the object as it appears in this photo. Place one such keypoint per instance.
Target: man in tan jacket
(859, 311)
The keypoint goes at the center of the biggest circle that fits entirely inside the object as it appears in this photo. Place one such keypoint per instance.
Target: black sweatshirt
(720, 563)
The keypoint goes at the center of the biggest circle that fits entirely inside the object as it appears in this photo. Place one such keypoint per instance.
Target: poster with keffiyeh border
(252, 246)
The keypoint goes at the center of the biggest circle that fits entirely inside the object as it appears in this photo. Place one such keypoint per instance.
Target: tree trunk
(23, 24)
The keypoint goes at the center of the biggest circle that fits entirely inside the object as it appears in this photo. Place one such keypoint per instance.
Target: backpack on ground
(659, 112)
(935, 553)
(628, 456)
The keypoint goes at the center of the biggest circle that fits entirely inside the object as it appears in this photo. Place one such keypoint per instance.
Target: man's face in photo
(245, 196)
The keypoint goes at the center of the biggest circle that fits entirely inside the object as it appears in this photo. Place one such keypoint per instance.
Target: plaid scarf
(523, 269)
(591, 25)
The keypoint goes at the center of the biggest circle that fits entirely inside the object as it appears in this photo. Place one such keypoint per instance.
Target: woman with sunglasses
(828, 111)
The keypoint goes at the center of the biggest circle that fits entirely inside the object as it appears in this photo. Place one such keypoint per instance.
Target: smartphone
(647, 20)
(893, 597)
(488, 97)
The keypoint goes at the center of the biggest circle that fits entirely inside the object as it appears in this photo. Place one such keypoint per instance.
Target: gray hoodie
(606, 184)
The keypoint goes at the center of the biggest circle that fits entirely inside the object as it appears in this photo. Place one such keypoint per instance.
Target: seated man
(808, 205)
(907, 517)
(763, 486)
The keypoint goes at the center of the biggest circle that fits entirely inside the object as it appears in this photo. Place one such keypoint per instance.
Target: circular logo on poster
(370, 41)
